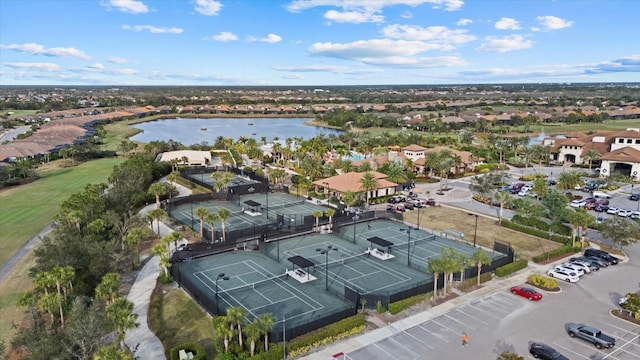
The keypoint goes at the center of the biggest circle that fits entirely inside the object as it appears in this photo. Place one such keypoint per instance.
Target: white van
(601, 194)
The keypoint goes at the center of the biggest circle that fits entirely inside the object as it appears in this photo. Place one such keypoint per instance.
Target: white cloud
(32, 48)
(208, 7)
(153, 29)
(505, 44)
(464, 22)
(326, 68)
(553, 23)
(406, 15)
(96, 66)
(127, 6)
(51, 67)
(507, 24)
(223, 36)
(437, 34)
(272, 38)
(355, 17)
(300, 5)
(117, 60)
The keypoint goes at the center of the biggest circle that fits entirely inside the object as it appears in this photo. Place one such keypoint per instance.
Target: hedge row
(398, 306)
(565, 249)
(471, 282)
(195, 348)
(535, 232)
(533, 222)
(543, 282)
(511, 268)
(330, 333)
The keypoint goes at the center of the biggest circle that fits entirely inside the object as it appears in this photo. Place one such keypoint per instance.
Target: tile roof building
(350, 181)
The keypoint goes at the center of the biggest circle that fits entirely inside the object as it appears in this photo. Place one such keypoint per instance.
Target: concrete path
(8, 266)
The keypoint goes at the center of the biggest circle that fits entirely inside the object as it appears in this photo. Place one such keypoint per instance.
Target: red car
(526, 292)
(590, 206)
(603, 202)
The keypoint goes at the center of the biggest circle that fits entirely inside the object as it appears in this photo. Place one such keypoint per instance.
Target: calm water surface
(195, 131)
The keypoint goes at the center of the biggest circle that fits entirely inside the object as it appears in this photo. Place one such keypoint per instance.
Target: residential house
(339, 184)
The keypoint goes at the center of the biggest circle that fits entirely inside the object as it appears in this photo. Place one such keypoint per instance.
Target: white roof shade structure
(196, 158)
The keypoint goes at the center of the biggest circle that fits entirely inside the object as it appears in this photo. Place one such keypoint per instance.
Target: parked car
(408, 206)
(590, 200)
(526, 292)
(601, 254)
(603, 202)
(601, 208)
(584, 265)
(591, 334)
(624, 213)
(517, 186)
(570, 268)
(594, 265)
(400, 208)
(551, 182)
(431, 202)
(545, 352)
(635, 215)
(601, 262)
(504, 188)
(577, 203)
(563, 275)
(590, 206)
(634, 197)
(612, 210)
(523, 192)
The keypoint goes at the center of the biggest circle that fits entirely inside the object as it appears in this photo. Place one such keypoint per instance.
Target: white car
(613, 210)
(635, 215)
(563, 275)
(577, 203)
(570, 268)
(581, 265)
(523, 192)
(624, 213)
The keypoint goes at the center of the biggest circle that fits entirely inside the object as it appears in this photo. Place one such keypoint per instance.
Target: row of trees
(231, 331)
(450, 262)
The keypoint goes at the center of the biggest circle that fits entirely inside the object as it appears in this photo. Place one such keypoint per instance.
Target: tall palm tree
(349, 198)
(317, 214)
(569, 180)
(235, 316)
(579, 219)
(158, 189)
(161, 250)
(365, 167)
(211, 220)
(264, 322)
(108, 287)
(397, 174)
(253, 333)
(480, 258)
(368, 184)
(157, 215)
(121, 315)
(223, 214)
(222, 330)
(201, 213)
(591, 156)
(132, 240)
(347, 166)
(435, 267)
(502, 198)
(330, 213)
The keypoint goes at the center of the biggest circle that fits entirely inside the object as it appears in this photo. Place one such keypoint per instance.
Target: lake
(195, 131)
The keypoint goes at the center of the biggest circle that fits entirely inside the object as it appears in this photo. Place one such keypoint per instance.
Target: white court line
(221, 298)
(273, 303)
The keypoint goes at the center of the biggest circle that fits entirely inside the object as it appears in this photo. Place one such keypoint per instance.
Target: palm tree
(591, 156)
(397, 174)
(121, 315)
(264, 322)
(108, 287)
(368, 184)
(330, 213)
(502, 198)
(158, 189)
(540, 187)
(201, 213)
(157, 215)
(160, 250)
(579, 219)
(443, 164)
(223, 214)
(480, 258)
(435, 267)
(211, 220)
(111, 352)
(349, 198)
(317, 214)
(132, 240)
(222, 330)
(347, 166)
(235, 316)
(253, 333)
(569, 180)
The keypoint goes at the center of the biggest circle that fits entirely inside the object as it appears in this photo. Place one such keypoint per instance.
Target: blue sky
(317, 42)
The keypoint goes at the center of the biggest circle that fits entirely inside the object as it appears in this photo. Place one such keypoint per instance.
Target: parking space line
(486, 311)
(418, 340)
(471, 316)
(434, 333)
(621, 347)
(383, 350)
(404, 347)
(570, 350)
(447, 315)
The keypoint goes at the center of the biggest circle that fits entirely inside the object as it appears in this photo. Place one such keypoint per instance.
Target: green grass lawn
(28, 208)
(19, 112)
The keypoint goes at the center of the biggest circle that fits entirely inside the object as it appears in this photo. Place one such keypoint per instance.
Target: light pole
(408, 230)
(475, 230)
(418, 222)
(325, 252)
(355, 218)
(221, 276)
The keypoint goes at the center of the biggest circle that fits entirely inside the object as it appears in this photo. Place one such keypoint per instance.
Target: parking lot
(503, 321)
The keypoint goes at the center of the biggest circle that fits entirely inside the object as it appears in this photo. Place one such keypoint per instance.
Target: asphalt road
(503, 321)
(11, 134)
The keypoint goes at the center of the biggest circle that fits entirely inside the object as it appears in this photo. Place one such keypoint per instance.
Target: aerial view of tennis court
(312, 279)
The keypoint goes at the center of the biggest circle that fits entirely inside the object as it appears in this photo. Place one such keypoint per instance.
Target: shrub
(563, 250)
(338, 330)
(511, 268)
(543, 282)
(471, 282)
(532, 231)
(196, 349)
(380, 308)
(398, 306)
(482, 167)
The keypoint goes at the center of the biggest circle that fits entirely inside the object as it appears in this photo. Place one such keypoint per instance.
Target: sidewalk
(142, 339)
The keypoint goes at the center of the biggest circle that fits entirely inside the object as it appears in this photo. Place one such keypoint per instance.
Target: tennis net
(253, 285)
(282, 206)
(341, 262)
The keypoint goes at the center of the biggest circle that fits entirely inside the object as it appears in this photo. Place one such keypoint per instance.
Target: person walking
(465, 339)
